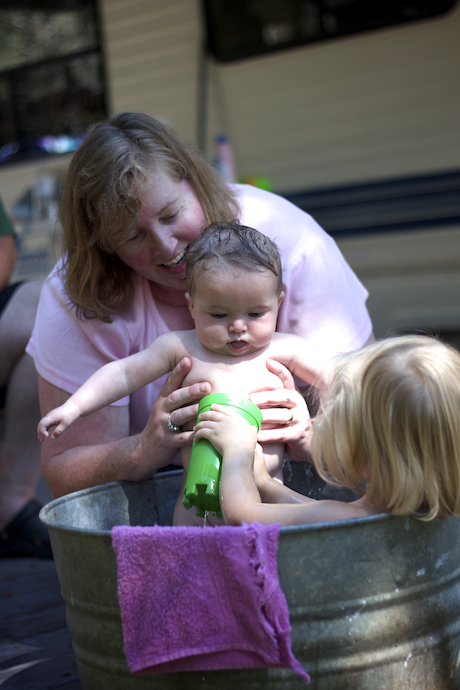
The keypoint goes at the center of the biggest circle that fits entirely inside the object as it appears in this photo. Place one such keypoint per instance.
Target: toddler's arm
(245, 481)
(235, 439)
(247, 492)
(270, 490)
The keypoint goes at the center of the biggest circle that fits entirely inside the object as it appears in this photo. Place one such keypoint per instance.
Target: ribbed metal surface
(374, 603)
(409, 203)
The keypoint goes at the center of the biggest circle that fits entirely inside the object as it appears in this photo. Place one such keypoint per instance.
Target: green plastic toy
(204, 471)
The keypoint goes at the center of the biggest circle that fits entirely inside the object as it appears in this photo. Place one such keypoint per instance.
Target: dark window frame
(241, 29)
(63, 125)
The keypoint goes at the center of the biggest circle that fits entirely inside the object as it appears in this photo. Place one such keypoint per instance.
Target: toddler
(390, 422)
(234, 290)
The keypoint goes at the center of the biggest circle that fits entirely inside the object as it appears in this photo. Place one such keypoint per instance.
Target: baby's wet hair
(236, 245)
(395, 405)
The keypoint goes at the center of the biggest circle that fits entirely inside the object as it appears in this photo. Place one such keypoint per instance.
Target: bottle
(204, 471)
(225, 163)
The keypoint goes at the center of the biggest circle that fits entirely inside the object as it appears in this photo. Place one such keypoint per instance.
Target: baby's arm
(61, 417)
(294, 353)
(112, 382)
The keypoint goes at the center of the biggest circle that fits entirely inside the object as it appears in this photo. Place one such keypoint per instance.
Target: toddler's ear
(190, 304)
(366, 472)
(280, 298)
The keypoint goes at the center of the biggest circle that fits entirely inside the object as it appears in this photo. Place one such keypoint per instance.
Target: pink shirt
(324, 303)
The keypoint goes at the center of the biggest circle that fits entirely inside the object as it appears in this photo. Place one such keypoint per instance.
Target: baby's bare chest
(239, 377)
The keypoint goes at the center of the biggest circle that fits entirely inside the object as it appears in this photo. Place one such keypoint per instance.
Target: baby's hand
(226, 430)
(61, 418)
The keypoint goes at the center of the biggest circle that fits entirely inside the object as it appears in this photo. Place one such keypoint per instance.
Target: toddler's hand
(226, 429)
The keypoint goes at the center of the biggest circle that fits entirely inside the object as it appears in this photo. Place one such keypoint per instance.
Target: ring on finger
(171, 426)
(291, 418)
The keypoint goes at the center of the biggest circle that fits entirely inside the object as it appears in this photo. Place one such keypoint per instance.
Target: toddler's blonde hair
(396, 405)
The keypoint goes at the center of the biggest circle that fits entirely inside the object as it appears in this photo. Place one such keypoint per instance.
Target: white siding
(413, 278)
(371, 106)
(151, 49)
(367, 107)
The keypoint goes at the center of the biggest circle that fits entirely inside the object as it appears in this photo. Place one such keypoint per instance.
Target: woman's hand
(175, 406)
(286, 418)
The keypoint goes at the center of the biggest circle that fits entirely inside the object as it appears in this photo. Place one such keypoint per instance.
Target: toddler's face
(235, 310)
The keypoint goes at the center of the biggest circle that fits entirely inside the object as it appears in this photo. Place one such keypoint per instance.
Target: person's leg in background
(21, 532)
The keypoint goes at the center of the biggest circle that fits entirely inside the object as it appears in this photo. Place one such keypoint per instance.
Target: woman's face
(171, 217)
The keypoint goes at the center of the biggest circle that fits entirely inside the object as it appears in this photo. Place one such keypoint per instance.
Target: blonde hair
(396, 405)
(102, 201)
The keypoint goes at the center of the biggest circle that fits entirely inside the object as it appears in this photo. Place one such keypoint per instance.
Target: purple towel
(202, 599)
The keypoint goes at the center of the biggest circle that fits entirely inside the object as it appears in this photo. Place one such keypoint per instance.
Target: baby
(390, 422)
(234, 291)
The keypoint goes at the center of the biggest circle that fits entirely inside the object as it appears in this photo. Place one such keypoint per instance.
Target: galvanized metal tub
(374, 603)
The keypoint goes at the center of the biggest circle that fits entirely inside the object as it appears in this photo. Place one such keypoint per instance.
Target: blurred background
(348, 108)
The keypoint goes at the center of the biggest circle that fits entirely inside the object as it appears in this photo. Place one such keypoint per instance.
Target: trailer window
(239, 29)
(51, 76)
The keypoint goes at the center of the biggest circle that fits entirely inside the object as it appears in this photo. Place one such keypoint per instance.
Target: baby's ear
(190, 304)
(280, 298)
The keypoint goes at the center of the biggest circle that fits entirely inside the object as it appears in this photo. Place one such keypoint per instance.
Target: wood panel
(35, 645)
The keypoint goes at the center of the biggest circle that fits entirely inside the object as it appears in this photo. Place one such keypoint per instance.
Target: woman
(136, 196)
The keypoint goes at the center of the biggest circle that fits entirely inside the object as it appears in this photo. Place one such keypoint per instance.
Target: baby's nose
(239, 326)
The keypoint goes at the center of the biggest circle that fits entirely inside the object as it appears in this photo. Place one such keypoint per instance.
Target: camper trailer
(351, 112)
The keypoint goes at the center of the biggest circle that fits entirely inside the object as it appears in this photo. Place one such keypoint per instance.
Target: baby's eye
(218, 316)
(256, 314)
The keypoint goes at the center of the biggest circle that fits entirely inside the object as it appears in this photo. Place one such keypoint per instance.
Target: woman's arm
(98, 449)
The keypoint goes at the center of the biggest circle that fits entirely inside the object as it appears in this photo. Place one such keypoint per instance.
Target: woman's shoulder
(130, 329)
(287, 225)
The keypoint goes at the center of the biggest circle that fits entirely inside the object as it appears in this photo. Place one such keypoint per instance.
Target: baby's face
(235, 310)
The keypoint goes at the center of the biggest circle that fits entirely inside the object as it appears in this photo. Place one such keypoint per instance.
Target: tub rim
(315, 527)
